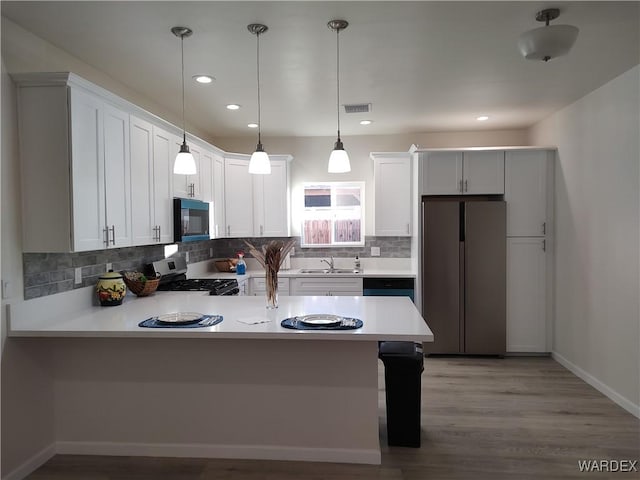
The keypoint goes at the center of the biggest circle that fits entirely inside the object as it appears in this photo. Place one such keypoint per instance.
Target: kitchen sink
(330, 271)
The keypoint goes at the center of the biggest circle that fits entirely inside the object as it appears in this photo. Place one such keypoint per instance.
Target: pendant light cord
(184, 132)
(258, 75)
(338, 78)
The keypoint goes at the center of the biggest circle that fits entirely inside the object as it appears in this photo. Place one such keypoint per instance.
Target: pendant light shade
(184, 163)
(547, 42)
(339, 159)
(259, 163)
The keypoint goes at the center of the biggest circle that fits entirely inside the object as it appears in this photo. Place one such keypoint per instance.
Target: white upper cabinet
(151, 164)
(270, 201)
(392, 179)
(526, 192)
(206, 175)
(219, 225)
(462, 172)
(238, 198)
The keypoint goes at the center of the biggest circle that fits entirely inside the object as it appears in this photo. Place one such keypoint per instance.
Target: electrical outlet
(109, 266)
(78, 275)
(186, 257)
(375, 251)
(211, 253)
(292, 252)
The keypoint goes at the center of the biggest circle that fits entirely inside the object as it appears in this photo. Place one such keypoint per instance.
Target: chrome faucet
(330, 263)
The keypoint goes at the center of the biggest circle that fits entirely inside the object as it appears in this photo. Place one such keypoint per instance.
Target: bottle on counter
(241, 266)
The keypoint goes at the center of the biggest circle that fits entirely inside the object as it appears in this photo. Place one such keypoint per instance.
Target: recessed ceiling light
(365, 122)
(233, 106)
(202, 78)
(252, 125)
(482, 118)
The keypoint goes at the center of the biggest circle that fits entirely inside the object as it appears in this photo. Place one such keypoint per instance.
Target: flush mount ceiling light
(547, 42)
(339, 159)
(482, 118)
(366, 122)
(202, 78)
(259, 163)
(252, 125)
(184, 163)
(233, 106)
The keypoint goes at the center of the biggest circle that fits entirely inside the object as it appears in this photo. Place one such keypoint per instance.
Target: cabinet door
(206, 177)
(392, 178)
(483, 172)
(163, 157)
(238, 202)
(219, 226)
(117, 176)
(332, 286)
(194, 188)
(270, 202)
(87, 171)
(526, 295)
(259, 287)
(441, 173)
(525, 192)
(142, 201)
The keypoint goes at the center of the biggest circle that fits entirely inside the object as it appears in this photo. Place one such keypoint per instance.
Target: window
(333, 214)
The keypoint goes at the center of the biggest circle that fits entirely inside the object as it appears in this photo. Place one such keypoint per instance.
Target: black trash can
(403, 367)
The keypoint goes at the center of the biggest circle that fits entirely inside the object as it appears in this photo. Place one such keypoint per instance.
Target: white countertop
(385, 318)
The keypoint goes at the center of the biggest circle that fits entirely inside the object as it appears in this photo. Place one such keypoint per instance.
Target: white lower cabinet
(333, 286)
(259, 287)
(526, 295)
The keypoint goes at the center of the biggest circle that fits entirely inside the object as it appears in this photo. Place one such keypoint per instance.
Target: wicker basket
(141, 288)
(226, 264)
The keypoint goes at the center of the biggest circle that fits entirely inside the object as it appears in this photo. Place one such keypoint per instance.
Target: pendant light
(184, 163)
(259, 163)
(547, 42)
(339, 159)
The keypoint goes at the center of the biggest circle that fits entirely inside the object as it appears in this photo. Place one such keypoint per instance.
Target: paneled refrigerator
(464, 274)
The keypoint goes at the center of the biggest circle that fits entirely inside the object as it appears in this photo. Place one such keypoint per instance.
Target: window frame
(332, 211)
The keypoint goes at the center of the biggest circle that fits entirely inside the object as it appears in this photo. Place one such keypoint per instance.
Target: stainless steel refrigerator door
(485, 278)
(441, 274)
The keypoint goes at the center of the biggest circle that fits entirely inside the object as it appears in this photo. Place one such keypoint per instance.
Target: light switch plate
(375, 251)
(109, 266)
(78, 275)
(186, 257)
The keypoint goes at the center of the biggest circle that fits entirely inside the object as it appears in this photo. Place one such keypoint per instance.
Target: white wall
(311, 156)
(597, 313)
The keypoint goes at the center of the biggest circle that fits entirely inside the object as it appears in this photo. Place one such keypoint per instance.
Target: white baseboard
(624, 402)
(32, 464)
(254, 452)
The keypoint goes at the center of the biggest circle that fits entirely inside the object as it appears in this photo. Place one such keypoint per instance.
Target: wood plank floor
(513, 418)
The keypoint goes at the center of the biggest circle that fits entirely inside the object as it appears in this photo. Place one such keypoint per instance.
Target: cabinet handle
(460, 186)
(409, 228)
(105, 235)
(466, 185)
(159, 233)
(113, 232)
(544, 228)
(544, 245)
(261, 230)
(229, 230)
(192, 189)
(216, 230)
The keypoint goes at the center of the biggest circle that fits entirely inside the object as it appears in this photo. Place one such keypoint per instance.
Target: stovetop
(173, 273)
(215, 286)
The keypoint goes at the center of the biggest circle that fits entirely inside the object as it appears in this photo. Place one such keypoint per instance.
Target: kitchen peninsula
(245, 388)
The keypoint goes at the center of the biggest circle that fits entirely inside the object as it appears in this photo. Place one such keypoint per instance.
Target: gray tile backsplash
(50, 273)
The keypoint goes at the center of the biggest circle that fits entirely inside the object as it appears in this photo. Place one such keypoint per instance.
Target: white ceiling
(424, 66)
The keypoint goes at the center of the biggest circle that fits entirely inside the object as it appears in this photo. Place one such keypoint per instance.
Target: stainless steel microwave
(190, 220)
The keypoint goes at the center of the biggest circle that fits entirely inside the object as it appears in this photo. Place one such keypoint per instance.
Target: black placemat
(205, 321)
(346, 324)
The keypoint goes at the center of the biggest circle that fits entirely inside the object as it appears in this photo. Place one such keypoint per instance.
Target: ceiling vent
(357, 108)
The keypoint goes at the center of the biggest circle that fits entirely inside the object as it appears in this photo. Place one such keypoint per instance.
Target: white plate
(179, 317)
(320, 319)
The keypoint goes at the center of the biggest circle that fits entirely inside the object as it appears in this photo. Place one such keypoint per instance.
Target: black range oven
(174, 278)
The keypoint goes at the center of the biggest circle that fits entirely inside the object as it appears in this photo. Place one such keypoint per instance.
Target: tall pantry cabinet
(528, 193)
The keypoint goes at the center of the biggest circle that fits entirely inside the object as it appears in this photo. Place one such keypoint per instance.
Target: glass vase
(271, 285)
